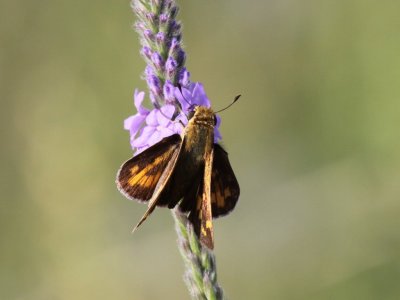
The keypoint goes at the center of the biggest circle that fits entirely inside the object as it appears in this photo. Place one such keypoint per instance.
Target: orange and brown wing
(224, 195)
(224, 186)
(138, 177)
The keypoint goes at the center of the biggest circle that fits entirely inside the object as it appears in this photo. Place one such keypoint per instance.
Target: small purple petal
(187, 96)
(148, 34)
(138, 99)
(174, 44)
(154, 84)
(184, 77)
(180, 97)
(157, 60)
(154, 101)
(154, 138)
(217, 135)
(140, 27)
(179, 123)
(168, 110)
(180, 57)
(163, 18)
(199, 96)
(176, 52)
(151, 119)
(162, 121)
(133, 123)
(160, 37)
(176, 29)
(144, 136)
(218, 123)
(146, 51)
(182, 118)
(151, 17)
(178, 128)
(164, 115)
(128, 122)
(169, 92)
(148, 71)
(171, 65)
(166, 132)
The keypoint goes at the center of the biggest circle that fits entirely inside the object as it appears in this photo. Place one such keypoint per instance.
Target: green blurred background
(314, 142)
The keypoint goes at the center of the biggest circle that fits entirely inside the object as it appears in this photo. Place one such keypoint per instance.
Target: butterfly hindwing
(216, 185)
(224, 186)
(138, 177)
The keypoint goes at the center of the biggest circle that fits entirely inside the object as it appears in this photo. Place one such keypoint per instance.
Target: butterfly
(188, 170)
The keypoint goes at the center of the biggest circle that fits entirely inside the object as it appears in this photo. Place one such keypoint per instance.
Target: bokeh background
(314, 142)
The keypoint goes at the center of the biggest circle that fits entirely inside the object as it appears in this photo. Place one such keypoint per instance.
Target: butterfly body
(200, 133)
(190, 170)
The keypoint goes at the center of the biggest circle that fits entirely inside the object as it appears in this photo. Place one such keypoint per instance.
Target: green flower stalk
(173, 97)
(201, 271)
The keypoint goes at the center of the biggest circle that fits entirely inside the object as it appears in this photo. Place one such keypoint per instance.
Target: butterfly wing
(138, 177)
(144, 176)
(224, 195)
(224, 186)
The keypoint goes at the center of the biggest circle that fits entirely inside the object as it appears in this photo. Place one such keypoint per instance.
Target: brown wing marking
(138, 177)
(224, 186)
(166, 175)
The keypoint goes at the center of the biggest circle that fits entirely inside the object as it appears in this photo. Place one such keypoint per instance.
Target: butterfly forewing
(206, 227)
(138, 177)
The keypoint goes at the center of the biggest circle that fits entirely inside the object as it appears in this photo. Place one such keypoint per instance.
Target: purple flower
(195, 95)
(147, 128)
(158, 126)
(192, 95)
(162, 49)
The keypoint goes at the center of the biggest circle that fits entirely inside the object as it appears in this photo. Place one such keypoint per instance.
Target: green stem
(201, 271)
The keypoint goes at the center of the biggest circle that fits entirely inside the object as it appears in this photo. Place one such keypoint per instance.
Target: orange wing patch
(138, 177)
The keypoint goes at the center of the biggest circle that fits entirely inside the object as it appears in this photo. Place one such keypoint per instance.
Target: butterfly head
(203, 115)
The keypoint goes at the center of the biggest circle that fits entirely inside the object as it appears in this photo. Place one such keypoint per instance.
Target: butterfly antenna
(183, 97)
(233, 102)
